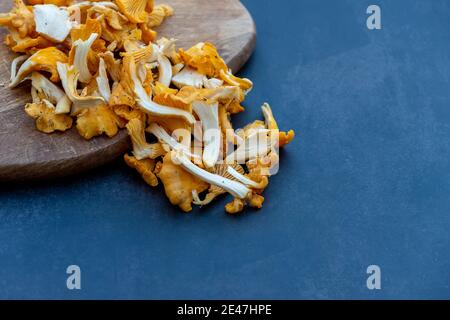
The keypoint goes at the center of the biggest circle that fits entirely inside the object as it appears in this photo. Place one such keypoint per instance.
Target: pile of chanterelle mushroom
(99, 64)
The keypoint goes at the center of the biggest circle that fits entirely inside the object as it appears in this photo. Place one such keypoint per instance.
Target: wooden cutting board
(28, 154)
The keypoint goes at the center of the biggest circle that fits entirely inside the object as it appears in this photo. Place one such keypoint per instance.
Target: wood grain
(28, 154)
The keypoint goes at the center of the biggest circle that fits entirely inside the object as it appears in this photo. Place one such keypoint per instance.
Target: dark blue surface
(367, 181)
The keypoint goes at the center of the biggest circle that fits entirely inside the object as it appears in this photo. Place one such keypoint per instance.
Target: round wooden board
(27, 154)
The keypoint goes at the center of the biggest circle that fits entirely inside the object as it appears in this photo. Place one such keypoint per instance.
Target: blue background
(367, 181)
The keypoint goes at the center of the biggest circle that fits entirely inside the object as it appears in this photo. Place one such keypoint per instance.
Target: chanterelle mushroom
(237, 189)
(141, 148)
(52, 93)
(137, 11)
(47, 120)
(179, 183)
(209, 117)
(52, 22)
(99, 63)
(43, 60)
(20, 19)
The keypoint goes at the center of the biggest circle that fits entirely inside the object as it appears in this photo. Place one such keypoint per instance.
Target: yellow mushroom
(103, 81)
(84, 31)
(180, 184)
(284, 138)
(229, 96)
(212, 83)
(141, 148)
(51, 92)
(160, 89)
(121, 96)
(52, 22)
(123, 90)
(137, 11)
(26, 45)
(15, 63)
(21, 19)
(189, 77)
(159, 13)
(128, 113)
(230, 79)
(149, 106)
(47, 120)
(165, 70)
(205, 59)
(113, 18)
(257, 179)
(257, 144)
(92, 122)
(215, 191)
(145, 168)
(113, 66)
(208, 114)
(235, 188)
(116, 75)
(69, 79)
(226, 126)
(80, 57)
(43, 60)
(165, 138)
(235, 206)
(166, 97)
(59, 3)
